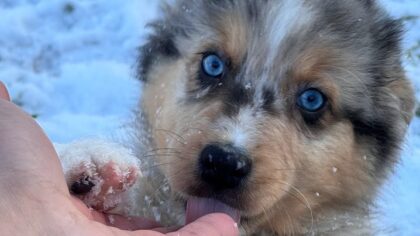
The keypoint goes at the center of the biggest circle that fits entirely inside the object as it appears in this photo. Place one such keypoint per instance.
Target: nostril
(242, 168)
(223, 166)
(208, 160)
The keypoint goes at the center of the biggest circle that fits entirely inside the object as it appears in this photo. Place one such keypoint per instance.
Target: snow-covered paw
(101, 186)
(98, 172)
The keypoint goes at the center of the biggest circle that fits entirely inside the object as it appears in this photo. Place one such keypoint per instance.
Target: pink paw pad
(101, 188)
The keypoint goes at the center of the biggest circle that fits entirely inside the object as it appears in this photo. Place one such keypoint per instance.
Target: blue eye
(213, 66)
(311, 100)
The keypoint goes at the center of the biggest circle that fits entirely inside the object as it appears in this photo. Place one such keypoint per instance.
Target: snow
(70, 63)
(399, 203)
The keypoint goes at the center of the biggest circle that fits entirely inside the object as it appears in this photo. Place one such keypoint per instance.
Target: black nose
(224, 166)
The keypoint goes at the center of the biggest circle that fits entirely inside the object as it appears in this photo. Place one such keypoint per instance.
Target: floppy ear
(368, 3)
(160, 45)
(402, 89)
(387, 35)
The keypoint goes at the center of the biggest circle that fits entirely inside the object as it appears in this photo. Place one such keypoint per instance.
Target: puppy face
(276, 107)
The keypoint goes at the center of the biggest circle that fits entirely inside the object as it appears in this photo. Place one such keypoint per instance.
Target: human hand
(34, 198)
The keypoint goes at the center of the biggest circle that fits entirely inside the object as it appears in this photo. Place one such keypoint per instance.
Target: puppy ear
(402, 89)
(368, 3)
(160, 46)
(160, 43)
(387, 34)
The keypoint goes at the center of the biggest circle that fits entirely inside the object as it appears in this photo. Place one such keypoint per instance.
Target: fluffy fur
(311, 173)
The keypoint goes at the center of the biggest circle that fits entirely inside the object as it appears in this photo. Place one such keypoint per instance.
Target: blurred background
(71, 65)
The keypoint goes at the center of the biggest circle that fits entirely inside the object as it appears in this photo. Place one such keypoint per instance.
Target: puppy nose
(223, 166)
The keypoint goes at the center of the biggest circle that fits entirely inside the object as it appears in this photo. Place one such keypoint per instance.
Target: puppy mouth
(198, 207)
(223, 170)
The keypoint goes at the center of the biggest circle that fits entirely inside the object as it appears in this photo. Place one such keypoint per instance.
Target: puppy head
(275, 105)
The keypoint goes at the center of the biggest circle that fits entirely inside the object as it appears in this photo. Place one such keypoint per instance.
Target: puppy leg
(98, 172)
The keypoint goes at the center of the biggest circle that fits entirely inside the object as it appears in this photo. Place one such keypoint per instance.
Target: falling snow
(71, 65)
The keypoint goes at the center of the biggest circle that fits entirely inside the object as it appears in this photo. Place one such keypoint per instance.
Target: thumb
(211, 225)
(4, 94)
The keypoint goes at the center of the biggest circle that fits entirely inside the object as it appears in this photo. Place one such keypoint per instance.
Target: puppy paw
(98, 172)
(101, 186)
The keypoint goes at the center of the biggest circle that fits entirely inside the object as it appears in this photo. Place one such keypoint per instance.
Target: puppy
(290, 112)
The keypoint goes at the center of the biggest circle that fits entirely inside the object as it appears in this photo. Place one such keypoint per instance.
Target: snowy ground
(70, 64)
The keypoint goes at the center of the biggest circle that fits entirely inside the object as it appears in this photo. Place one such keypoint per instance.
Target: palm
(35, 196)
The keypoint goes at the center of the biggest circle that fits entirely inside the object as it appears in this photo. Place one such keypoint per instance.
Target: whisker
(306, 202)
(174, 135)
(162, 149)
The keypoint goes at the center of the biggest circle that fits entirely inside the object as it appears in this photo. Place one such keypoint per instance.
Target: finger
(4, 94)
(131, 223)
(210, 225)
(106, 230)
(124, 223)
(166, 230)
